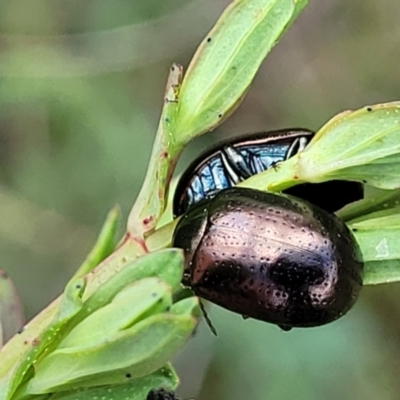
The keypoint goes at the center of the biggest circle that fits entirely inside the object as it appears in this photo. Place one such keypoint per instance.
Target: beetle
(271, 257)
(161, 394)
(234, 160)
(237, 159)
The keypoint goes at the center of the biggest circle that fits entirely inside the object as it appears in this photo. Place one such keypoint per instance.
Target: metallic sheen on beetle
(237, 159)
(271, 257)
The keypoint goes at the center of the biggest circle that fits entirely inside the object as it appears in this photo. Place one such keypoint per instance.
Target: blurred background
(81, 89)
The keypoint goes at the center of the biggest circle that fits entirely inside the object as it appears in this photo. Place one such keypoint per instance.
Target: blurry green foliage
(81, 86)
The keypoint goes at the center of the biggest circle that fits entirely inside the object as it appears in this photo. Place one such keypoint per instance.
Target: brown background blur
(81, 86)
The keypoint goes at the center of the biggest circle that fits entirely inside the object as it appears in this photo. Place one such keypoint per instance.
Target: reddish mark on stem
(164, 154)
(148, 220)
(35, 342)
(140, 241)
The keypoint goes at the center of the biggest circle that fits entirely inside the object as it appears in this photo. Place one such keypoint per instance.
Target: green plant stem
(151, 200)
(161, 238)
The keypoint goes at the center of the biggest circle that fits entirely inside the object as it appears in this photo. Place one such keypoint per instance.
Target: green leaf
(386, 200)
(71, 304)
(379, 272)
(382, 219)
(104, 245)
(111, 324)
(188, 306)
(166, 264)
(135, 302)
(217, 79)
(71, 300)
(361, 145)
(226, 62)
(18, 349)
(378, 235)
(136, 352)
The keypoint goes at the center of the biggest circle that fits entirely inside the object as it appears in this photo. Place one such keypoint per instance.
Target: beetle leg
(275, 165)
(207, 318)
(231, 173)
(235, 163)
(292, 149)
(298, 145)
(303, 142)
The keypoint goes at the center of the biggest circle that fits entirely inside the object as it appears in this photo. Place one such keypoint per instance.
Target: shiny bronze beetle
(271, 257)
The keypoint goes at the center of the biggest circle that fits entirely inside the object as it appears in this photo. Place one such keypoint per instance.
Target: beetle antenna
(207, 319)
